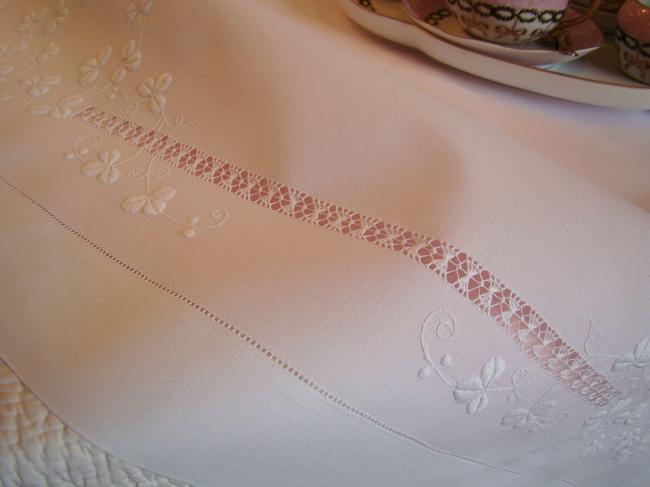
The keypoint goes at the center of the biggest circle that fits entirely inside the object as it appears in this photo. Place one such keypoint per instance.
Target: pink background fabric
(113, 320)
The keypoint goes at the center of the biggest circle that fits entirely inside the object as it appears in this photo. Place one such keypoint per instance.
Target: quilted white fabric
(38, 450)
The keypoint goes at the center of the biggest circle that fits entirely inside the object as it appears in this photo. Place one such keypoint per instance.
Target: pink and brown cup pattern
(506, 24)
(633, 56)
(633, 39)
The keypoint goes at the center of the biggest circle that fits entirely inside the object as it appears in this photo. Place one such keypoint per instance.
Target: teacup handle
(595, 5)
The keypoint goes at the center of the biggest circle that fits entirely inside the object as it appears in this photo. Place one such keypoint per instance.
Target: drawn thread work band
(529, 330)
(267, 352)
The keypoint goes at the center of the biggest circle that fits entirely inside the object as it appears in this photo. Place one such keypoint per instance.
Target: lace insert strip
(533, 335)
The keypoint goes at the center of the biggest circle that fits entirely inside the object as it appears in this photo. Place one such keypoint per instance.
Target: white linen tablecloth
(236, 243)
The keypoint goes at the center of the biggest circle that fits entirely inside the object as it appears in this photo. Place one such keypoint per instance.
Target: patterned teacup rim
(584, 37)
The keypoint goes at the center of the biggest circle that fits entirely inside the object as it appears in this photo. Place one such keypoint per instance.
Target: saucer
(595, 79)
(435, 17)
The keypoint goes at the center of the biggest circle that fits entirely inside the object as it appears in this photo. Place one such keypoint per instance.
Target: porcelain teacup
(633, 39)
(508, 21)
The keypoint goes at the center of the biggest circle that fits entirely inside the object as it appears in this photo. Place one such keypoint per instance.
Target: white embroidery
(473, 391)
(104, 167)
(91, 70)
(59, 18)
(153, 91)
(634, 363)
(37, 86)
(102, 73)
(539, 415)
(623, 430)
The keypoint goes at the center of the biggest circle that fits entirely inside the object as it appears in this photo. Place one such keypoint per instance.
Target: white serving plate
(594, 80)
(585, 37)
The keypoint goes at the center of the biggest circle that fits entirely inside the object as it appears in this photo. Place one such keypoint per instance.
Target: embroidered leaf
(39, 109)
(6, 69)
(157, 103)
(42, 12)
(163, 82)
(154, 207)
(19, 46)
(424, 372)
(467, 389)
(623, 362)
(445, 361)
(642, 351)
(165, 193)
(104, 56)
(106, 173)
(145, 88)
(51, 80)
(543, 407)
(134, 204)
(477, 405)
(129, 48)
(50, 27)
(517, 418)
(93, 168)
(491, 370)
(109, 175)
(71, 101)
(119, 75)
(89, 72)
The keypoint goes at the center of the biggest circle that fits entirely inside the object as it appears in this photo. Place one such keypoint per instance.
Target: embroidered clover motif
(62, 109)
(131, 59)
(537, 416)
(104, 167)
(31, 19)
(138, 8)
(151, 204)
(59, 19)
(473, 391)
(91, 69)
(153, 90)
(48, 50)
(37, 86)
(620, 430)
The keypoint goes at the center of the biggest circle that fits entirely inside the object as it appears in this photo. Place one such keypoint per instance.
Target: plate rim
(538, 69)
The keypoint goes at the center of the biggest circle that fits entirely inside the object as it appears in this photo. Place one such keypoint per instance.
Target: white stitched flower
(37, 86)
(104, 167)
(47, 51)
(59, 19)
(131, 59)
(534, 418)
(138, 7)
(91, 69)
(152, 204)
(473, 390)
(154, 91)
(18, 46)
(32, 19)
(62, 109)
